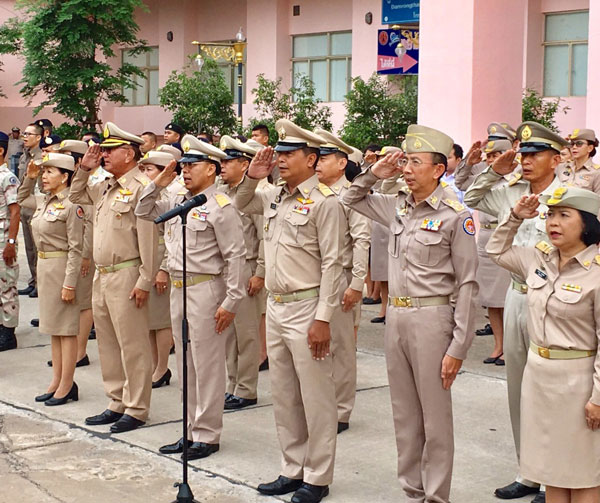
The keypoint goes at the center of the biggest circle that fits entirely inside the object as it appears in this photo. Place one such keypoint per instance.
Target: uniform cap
(3, 137)
(56, 160)
(114, 136)
(332, 143)
(536, 138)
(157, 157)
(49, 141)
(44, 122)
(171, 126)
(235, 149)
(583, 134)
(425, 139)
(497, 131)
(388, 149)
(293, 137)
(75, 146)
(195, 150)
(16, 129)
(356, 156)
(171, 149)
(573, 197)
(255, 145)
(497, 146)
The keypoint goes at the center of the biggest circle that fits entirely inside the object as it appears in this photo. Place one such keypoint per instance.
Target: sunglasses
(579, 143)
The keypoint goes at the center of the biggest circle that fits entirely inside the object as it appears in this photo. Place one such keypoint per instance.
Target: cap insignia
(282, 134)
(223, 145)
(91, 143)
(62, 143)
(557, 195)
(575, 133)
(417, 143)
(146, 155)
(186, 146)
(48, 140)
(526, 133)
(490, 144)
(46, 158)
(106, 132)
(493, 129)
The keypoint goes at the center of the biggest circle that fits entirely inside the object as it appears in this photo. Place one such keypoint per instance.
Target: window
(566, 54)
(146, 92)
(327, 60)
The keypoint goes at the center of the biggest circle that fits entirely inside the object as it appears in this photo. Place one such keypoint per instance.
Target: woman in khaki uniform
(560, 398)
(161, 333)
(57, 227)
(581, 171)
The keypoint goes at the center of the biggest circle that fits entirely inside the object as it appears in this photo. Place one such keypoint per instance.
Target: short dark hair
(437, 158)
(591, 228)
(373, 147)
(458, 151)
(263, 128)
(93, 134)
(150, 134)
(4, 145)
(38, 129)
(312, 150)
(352, 170)
(69, 175)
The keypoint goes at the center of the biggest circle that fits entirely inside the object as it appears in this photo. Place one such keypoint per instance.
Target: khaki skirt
(159, 308)
(56, 317)
(557, 447)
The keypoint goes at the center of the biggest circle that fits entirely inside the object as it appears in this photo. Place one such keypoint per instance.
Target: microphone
(181, 208)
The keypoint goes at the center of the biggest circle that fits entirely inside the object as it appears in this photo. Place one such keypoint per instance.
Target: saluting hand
(450, 368)
(474, 155)
(262, 165)
(505, 163)
(319, 337)
(33, 170)
(223, 319)
(526, 207)
(91, 158)
(140, 296)
(167, 175)
(592, 416)
(388, 166)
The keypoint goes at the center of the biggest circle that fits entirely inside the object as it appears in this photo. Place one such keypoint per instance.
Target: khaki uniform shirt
(14, 147)
(357, 239)
(483, 195)
(119, 235)
(426, 263)
(564, 306)
(57, 225)
(9, 185)
(28, 156)
(214, 239)
(303, 238)
(586, 177)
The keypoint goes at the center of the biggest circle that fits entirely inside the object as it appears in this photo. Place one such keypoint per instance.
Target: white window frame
(146, 69)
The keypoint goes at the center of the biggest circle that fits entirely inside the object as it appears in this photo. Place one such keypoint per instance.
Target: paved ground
(49, 455)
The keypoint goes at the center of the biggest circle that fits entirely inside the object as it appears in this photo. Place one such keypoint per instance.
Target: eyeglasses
(579, 143)
(26, 134)
(415, 163)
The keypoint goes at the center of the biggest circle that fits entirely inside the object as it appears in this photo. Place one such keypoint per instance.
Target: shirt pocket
(426, 248)
(269, 223)
(196, 236)
(537, 293)
(396, 230)
(295, 229)
(120, 214)
(567, 304)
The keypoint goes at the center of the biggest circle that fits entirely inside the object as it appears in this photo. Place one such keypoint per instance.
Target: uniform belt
(418, 301)
(560, 354)
(192, 280)
(52, 254)
(161, 240)
(105, 269)
(489, 226)
(282, 298)
(519, 287)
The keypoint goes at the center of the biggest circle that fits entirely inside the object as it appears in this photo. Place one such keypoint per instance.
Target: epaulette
(405, 190)
(325, 190)
(596, 166)
(597, 259)
(544, 247)
(222, 200)
(347, 184)
(516, 177)
(455, 205)
(143, 179)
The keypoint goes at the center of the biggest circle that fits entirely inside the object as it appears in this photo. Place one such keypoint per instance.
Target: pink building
(476, 56)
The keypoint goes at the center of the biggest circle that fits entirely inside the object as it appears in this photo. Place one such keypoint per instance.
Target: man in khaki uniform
(125, 259)
(333, 161)
(540, 150)
(303, 239)
(243, 348)
(432, 256)
(215, 285)
(586, 175)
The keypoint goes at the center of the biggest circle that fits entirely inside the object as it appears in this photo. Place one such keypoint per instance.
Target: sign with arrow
(398, 52)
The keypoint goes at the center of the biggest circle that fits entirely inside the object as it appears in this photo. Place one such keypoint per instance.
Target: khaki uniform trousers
(123, 343)
(416, 340)
(9, 298)
(303, 394)
(30, 248)
(243, 347)
(205, 358)
(343, 352)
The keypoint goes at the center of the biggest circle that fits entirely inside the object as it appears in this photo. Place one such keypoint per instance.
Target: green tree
(66, 46)
(379, 111)
(542, 110)
(200, 99)
(10, 37)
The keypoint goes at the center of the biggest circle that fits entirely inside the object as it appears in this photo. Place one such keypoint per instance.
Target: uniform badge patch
(431, 225)
(303, 210)
(13, 180)
(571, 288)
(469, 226)
(79, 212)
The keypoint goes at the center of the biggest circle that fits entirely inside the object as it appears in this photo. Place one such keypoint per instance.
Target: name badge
(541, 274)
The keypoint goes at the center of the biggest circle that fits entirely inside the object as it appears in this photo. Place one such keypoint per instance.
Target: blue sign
(400, 11)
(398, 52)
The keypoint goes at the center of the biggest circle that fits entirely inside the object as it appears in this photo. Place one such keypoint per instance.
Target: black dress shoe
(309, 493)
(228, 396)
(165, 379)
(92, 335)
(493, 359)
(35, 322)
(515, 490)
(33, 294)
(199, 450)
(264, 365)
(107, 417)
(369, 301)
(487, 330)
(378, 319)
(236, 402)
(84, 362)
(7, 338)
(126, 423)
(176, 448)
(26, 291)
(71, 395)
(44, 397)
(539, 497)
(342, 426)
(282, 485)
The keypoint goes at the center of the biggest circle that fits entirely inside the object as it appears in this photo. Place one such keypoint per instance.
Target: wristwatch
(11, 241)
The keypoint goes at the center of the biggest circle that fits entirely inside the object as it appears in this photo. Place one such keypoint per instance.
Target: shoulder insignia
(596, 166)
(405, 190)
(443, 184)
(516, 177)
(222, 200)
(347, 184)
(597, 259)
(455, 205)
(469, 226)
(80, 213)
(325, 190)
(544, 247)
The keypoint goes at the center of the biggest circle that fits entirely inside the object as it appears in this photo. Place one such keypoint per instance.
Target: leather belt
(418, 301)
(192, 280)
(52, 254)
(519, 287)
(105, 269)
(282, 298)
(560, 354)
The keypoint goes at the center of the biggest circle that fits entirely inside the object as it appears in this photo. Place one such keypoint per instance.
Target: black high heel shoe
(71, 395)
(165, 379)
(44, 397)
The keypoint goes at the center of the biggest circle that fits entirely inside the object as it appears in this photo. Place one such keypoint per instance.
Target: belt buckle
(277, 298)
(544, 352)
(523, 288)
(178, 283)
(404, 301)
(102, 270)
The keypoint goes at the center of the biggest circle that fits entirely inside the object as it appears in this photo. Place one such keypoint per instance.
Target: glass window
(146, 92)
(326, 59)
(566, 54)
